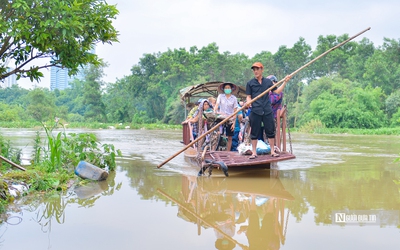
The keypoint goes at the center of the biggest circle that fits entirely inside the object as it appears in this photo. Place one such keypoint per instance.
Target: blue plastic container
(86, 170)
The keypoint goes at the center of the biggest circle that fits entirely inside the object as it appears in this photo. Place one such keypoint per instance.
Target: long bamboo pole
(262, 94)
(12, 163)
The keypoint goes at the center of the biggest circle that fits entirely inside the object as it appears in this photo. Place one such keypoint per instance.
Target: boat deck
(234, 159)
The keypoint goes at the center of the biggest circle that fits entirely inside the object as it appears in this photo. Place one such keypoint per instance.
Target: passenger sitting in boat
(205, 106)
(212, 101)
(235, 137)
(244, 111)
(193, 108)
(227, 104)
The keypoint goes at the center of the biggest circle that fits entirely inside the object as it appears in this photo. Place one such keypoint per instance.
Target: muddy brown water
(339, 193)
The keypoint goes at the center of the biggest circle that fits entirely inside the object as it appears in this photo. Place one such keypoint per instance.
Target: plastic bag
(262, 148)
(244, 149)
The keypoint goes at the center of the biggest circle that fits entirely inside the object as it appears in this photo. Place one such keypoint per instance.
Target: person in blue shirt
(235, 137)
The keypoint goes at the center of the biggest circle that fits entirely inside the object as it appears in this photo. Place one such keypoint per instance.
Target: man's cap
(257, 65)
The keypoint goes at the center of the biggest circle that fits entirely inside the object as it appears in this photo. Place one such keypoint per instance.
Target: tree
(392, 103)
(382, 69)
(341, 103)
(336, 61)
(13, 95)
(356, 63)
(60, 30)
(72, 97)
(41, 105)
(119, 101)
(92, 97)
(11, 113)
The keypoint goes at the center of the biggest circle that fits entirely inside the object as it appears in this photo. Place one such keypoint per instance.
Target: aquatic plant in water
(65, 151)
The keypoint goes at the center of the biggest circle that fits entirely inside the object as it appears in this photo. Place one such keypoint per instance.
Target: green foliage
(172, 116)
(9, 113)
(20, 124)
(395, 120)
(73, 98)
(3, 206)
(139, 118)
(356, 64)
(342, 104)
(92, 97)
(313, 126)
(37, 149)
(336, 61)
(65, 152)
(354, 86)
(14, 95)
(9, 152)
(392, 103)
(62, 30)
(75, 118)
(85, 147)
(54, 150)
(379, 131)
(39, 179)
(40, 104)
(382, 69)
(118, 109)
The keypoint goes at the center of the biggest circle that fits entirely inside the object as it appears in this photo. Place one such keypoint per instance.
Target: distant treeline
(354, 86)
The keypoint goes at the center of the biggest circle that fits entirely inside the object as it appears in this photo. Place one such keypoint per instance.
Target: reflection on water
(51, 208)
(231, 208)
(289, 207)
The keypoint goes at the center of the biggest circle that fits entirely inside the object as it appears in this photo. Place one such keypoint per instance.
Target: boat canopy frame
(205, 90)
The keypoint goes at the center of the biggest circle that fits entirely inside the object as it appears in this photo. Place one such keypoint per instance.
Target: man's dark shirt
(261, 106)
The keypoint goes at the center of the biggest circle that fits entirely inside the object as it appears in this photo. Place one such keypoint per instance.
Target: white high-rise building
(59, 78)
(9, 81)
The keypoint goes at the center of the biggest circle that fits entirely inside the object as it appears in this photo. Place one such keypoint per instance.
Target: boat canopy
(205, 90)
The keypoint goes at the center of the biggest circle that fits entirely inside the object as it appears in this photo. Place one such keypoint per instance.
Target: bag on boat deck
(262, 148)
(244, 149)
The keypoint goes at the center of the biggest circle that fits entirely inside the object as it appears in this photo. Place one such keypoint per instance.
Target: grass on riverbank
(379, 131)
(317, 127)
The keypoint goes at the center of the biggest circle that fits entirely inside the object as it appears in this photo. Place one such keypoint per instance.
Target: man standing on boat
(261, 111)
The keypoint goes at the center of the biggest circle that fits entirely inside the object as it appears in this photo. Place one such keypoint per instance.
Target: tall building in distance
(59, 78)
(9, 81)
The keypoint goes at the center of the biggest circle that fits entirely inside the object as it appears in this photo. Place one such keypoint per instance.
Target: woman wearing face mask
(227, 105)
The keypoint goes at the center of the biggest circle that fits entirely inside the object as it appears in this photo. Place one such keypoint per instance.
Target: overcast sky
(238, 26)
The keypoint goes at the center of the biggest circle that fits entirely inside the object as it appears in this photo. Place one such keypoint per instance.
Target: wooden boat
(207, 153)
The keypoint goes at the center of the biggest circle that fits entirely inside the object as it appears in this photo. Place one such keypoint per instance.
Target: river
(339, 193)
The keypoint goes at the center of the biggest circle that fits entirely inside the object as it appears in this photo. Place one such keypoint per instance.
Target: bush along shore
(52, 163)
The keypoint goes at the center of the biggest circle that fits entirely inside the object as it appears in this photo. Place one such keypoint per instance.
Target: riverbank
(92, 125)
(312, 129)
(378, 131)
